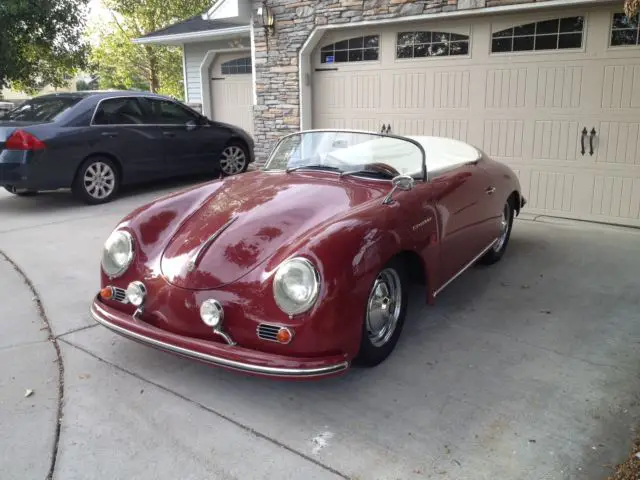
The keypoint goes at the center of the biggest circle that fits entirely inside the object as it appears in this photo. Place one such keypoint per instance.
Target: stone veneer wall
(277, 112)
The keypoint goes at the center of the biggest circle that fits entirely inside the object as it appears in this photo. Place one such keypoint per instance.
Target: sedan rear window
(42, 109)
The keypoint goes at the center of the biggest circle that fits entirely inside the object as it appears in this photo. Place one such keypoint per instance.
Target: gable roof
(194, 28)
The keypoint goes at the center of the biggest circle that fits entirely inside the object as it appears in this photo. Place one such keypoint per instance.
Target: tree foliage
(41, 42)
(120, 63)
(631, 8)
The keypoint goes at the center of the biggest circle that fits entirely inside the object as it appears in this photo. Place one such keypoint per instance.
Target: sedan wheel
(97, 181)
(385, 311)
(233, 160)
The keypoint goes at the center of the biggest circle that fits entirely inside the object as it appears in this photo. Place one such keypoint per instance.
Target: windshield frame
(300, 133)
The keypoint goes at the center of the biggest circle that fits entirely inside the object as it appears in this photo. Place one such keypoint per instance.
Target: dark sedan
(94, 142)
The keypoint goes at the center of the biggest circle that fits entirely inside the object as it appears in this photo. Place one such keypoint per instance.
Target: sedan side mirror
(400, 182)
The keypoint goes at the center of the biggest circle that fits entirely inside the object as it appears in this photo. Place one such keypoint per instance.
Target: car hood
(250, 217)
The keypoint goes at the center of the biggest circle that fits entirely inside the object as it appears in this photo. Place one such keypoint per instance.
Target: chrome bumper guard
(215, 360)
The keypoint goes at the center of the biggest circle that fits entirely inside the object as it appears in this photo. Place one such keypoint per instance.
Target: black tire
(23, 193)
(370, 353)
(234, 159)
(84, 190)
(496, 252)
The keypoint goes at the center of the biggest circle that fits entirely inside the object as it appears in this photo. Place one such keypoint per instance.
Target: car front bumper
(231, 357)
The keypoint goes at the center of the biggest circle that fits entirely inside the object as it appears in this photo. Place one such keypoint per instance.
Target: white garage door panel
(527, 109)
(232, 92)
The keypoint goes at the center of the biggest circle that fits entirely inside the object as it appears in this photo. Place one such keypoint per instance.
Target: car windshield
(42, 109)
(342, 151)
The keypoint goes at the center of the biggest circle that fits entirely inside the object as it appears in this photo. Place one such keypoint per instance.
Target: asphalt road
(524, 370)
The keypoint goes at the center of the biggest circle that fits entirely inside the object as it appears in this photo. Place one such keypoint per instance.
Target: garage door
(231, 90)
(556, 95)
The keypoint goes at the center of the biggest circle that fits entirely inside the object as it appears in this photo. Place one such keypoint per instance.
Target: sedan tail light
(21, 140)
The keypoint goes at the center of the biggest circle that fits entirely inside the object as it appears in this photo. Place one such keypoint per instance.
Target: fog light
(136, 293)
(284, 335)
(211, 313)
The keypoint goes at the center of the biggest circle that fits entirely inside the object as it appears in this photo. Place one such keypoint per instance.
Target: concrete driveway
(524, 370)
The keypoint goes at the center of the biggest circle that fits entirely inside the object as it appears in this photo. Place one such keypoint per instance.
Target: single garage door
(556, 95)
(231, 90)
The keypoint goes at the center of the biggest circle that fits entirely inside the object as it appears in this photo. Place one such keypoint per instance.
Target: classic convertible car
(303, 268)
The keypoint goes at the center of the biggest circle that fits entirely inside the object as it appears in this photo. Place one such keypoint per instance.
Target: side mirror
(401, 182)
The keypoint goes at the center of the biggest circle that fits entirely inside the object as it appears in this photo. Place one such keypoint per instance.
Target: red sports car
(303, 267)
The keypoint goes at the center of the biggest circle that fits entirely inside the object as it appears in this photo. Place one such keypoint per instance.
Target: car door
(461, 197)
(191, 143)
(118, 129)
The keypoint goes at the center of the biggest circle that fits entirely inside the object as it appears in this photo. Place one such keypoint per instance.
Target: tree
(41, 42)
(122, 64)
(631, 8)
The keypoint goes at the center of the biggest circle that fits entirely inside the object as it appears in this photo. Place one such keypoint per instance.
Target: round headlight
(136, 293)
(117, 253)
(296, 286)
(211, 313)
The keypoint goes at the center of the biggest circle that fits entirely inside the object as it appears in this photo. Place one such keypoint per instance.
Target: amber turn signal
(106, 293)
(284, 335)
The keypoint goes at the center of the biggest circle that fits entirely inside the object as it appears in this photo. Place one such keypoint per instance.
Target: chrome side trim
(218, 361)
(473, 260)
(193, 263)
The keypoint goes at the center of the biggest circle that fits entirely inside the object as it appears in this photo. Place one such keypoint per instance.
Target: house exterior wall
(194, 55)
(276, 57)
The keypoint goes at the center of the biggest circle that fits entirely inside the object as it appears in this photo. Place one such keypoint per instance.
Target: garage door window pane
(556, 34)
(571, 24)
(571, 40)
(624, 30)
(546, 42)
(502, 45)
(240, 66)
(528, 29)
(430, 44)
(356, 49)
(523, 44)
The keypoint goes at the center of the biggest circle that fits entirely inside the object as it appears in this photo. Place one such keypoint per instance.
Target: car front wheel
(385, 312)
(97, 181)
(234, 159)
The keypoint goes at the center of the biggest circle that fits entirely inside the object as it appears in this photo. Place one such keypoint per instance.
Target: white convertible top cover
(405, 157)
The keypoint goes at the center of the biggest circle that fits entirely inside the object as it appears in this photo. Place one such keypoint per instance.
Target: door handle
(169, 134)
(584, 134)
(593, 134)
(109, 134)
(490, 190)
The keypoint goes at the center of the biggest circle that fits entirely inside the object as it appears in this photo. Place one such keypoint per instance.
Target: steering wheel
(383, 168)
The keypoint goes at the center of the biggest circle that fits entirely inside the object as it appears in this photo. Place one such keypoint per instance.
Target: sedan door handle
(169, 134)
(110, 134)
(490, 190)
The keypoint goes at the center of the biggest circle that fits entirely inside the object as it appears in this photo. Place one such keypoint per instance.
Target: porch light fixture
(268, 20)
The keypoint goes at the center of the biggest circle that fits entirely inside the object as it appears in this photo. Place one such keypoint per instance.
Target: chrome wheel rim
(504, 228)
(383, 307)
(99, 180)
(232, 160)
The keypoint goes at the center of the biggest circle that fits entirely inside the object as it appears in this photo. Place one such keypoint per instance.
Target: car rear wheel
(385, 312)
(496, 252)
(19, 192)
(234, 159)
(97, 181)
